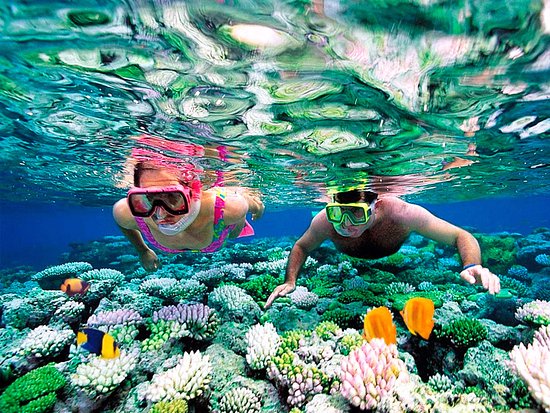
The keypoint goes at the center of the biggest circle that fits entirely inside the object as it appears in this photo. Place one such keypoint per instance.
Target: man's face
(349, 221)
(349, 230)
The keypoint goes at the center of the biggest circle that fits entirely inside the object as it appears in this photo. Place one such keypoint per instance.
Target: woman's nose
(159, 213)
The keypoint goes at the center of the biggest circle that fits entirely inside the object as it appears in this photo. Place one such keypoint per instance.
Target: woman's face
(160, 179)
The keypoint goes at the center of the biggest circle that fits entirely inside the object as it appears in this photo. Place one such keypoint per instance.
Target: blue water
(36, 234)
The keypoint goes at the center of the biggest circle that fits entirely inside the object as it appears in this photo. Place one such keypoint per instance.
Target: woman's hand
(149, 260)
(255, 206)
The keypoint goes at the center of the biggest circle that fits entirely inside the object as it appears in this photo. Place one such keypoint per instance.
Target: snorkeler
(174, 214)
(363, 226)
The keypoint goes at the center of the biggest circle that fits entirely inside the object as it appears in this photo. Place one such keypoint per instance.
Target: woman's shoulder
(122, 214)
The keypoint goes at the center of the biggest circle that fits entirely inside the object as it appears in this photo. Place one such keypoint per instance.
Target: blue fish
(98, 342)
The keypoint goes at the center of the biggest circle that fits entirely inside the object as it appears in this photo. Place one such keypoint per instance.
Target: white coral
(240, 400)
(532, 364)
(304, 298)
(187, 380)
(263, 342)
(101, 375)
(45, 341)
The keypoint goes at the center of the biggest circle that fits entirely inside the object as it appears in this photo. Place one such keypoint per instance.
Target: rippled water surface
(448, 100)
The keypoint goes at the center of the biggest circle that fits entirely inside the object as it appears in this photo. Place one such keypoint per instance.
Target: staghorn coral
(532, 364)
(187, 380)
(234, 304)
(370, 372)
(263, 342)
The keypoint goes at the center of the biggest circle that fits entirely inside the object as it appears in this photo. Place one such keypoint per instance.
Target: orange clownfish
(378, 323)
(73, 286)
(418, 316)
(98, 342)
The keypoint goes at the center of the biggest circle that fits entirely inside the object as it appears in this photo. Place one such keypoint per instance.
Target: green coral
(399, 300)
(35, 392)
(327, 330)
(350, 342)
(499, 253)
(356, 294)
(464, 332)
(261, 287)
(291, 339)
(344, 318)
(174, 406)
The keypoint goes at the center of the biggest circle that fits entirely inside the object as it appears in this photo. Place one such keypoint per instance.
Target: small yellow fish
(418, 316)
(73, 286)
(378, 323)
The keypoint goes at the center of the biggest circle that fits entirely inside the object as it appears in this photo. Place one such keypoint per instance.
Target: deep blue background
(36, 234)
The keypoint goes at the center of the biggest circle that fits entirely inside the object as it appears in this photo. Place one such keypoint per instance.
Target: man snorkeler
(363, 226)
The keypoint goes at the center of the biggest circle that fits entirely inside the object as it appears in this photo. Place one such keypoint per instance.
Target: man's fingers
(468, 278)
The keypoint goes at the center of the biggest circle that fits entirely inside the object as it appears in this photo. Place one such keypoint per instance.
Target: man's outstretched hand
(480, 275)
(279, 291)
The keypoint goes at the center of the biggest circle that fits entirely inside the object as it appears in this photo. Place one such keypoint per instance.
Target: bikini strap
(144, 229)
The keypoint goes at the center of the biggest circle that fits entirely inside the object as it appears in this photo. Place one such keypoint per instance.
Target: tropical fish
(98, 342)
(378, 323)
(418, 316)
(456, 163)
(73, 286)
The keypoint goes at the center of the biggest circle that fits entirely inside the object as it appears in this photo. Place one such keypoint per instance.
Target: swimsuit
(221, 231)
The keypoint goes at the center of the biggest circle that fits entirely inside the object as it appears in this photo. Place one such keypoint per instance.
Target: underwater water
(443, 104)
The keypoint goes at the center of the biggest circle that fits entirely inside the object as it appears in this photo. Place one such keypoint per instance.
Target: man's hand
(279, 291)
(480, 275)
(149, 260)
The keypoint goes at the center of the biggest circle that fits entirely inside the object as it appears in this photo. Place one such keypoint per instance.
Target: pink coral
(370, 372)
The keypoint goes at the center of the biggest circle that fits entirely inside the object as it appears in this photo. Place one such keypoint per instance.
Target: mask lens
(140, 205)
(334, 214)
(355, 214)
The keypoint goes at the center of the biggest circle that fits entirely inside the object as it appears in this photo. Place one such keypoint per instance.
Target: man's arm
(419, 220)
(127, 224)
(314, 236)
